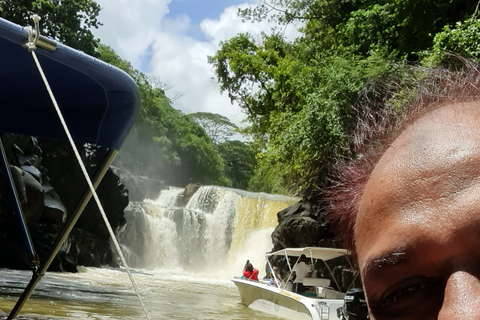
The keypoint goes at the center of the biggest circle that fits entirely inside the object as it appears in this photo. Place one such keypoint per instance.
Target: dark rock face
(304, 225)
(50, 183)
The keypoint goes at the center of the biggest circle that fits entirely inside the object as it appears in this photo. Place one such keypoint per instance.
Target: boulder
(189, 191)
(54, 210)
(301, 225)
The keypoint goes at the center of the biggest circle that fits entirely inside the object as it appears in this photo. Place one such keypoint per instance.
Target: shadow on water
(62, 296)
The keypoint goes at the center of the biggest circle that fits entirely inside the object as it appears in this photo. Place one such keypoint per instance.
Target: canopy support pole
(38, 274)
(273, 274)
(333, 276)
(17, 208)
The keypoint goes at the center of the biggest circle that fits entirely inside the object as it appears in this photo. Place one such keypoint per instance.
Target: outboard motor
(354, 306)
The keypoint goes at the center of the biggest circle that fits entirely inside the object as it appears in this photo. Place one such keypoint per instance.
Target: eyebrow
(386, 260)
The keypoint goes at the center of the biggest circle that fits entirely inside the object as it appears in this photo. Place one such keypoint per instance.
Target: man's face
(417, 231)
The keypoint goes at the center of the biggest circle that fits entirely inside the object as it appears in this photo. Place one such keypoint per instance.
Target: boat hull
(284, 303)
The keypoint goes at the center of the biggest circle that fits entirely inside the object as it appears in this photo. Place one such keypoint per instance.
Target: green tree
(461, 39)
(219, 128)
(397, 28)
(300, 109)
(298, 96)
(246, 70)
(239, 162)
(68, 21)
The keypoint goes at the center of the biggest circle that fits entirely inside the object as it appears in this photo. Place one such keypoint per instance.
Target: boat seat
(316, 282)
(328, 293)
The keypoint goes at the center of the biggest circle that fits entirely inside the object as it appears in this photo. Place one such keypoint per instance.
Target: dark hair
(386, 110)
(249, 267)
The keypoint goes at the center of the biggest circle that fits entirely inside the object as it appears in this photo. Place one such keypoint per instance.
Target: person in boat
(249, 272)
(300, 271)
(409, 207)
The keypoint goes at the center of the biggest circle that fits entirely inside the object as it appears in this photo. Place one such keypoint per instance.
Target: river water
(182, 258)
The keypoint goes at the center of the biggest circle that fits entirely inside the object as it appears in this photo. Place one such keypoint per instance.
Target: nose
(461, 298)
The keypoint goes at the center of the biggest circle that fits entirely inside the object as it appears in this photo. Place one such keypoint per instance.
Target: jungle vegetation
(301, 96)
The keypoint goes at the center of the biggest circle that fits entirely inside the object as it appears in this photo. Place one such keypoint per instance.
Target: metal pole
(333, 276)
(37, 275)
(273, 274)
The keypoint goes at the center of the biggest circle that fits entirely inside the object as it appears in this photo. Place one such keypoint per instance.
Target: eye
(409, 296)
(406, 291)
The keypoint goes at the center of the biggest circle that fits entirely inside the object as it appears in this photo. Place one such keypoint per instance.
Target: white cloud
(129, 27)
(177, 58)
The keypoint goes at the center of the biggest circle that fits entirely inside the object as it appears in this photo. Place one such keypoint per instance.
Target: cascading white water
(217, 230)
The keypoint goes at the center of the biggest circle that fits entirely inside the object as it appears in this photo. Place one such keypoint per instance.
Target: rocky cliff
(49, 183)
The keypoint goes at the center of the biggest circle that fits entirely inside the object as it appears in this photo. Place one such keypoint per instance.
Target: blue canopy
(98, 101)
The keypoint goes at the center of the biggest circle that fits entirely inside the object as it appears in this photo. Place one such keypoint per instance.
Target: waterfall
(217, 230)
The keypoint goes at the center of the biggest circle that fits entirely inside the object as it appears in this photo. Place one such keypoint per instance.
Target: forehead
(427, 184)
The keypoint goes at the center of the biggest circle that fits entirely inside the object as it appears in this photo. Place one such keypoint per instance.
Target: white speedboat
(321, 303)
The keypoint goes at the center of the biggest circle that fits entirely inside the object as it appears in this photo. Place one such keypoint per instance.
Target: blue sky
(199, 10)
(170, 41)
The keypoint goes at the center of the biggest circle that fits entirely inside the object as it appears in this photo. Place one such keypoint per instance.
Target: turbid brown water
(107, 294)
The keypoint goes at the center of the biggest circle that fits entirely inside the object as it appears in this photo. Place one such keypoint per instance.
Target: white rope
(84, 170)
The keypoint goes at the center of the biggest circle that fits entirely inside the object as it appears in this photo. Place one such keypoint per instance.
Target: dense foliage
(238, 156)
(68, 21)
(219, 128)
(239, 162)
(300, 96)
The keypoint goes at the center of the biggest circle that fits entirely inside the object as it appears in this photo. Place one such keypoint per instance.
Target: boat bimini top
(317, 253)
(324, 254)
(98, 101)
